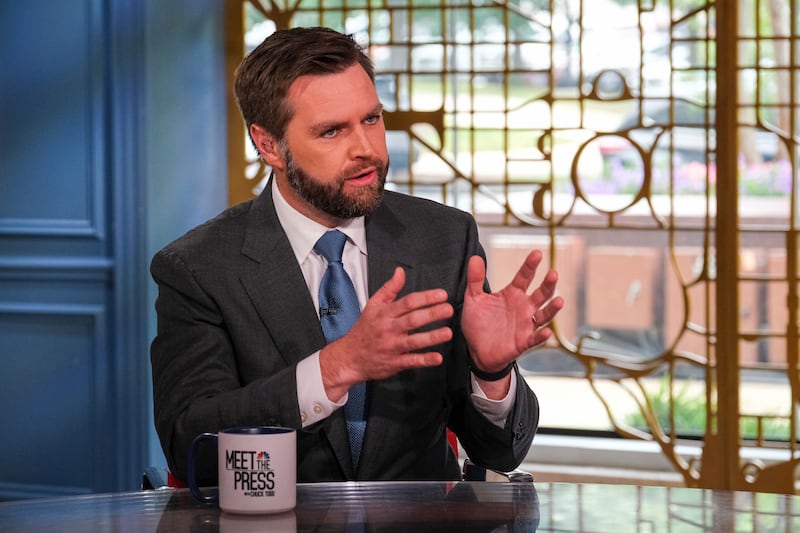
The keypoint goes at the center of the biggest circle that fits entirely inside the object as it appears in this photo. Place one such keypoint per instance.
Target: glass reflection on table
(372, 506)
(390, 506)
(424, 506)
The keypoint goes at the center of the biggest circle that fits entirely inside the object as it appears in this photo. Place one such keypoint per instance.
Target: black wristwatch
(491, 376)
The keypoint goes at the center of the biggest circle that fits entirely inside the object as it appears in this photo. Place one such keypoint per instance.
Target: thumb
(476, 276)
(389, 290)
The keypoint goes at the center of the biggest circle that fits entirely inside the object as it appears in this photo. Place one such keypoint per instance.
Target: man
(242, 309)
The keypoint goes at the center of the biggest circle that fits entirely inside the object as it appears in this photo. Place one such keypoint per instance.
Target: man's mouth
(365, 177)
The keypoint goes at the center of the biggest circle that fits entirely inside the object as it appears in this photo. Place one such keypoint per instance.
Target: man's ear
(267, 146)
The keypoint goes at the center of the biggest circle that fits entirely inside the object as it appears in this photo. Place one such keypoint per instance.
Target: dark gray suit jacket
(235, 317)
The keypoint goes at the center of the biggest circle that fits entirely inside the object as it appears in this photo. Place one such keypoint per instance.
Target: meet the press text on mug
(251, 472)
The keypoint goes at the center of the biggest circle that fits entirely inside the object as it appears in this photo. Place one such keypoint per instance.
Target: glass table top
(424, 506)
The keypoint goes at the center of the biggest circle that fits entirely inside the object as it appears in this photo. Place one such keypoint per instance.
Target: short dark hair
(263, 78)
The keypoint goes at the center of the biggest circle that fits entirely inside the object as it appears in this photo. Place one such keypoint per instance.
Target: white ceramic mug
(257, 469)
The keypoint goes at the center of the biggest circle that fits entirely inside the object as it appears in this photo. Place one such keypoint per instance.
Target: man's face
(334, 157)
(331, 197)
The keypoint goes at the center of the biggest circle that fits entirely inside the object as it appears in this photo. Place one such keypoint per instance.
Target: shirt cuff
(495, 410)
(311, 396)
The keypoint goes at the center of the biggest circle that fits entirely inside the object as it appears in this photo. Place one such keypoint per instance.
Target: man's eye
(330, 133)
(373, 119)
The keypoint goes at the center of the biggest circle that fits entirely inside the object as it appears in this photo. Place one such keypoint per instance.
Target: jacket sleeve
(497, 448)
(197, 383)
(486, 444)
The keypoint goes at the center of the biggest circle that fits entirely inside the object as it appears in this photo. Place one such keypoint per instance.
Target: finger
(418, 300)
(524, 276)
(540, 336)
(476, 276)
(423, 340)
(389, 290)
(419, 360)
(424, 316)
(546, 289)
(547, 313)
(549, 283)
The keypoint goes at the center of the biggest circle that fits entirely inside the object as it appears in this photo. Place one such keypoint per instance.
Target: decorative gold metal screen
(652, 150)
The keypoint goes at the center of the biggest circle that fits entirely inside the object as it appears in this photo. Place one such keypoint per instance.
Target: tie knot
(331, 245)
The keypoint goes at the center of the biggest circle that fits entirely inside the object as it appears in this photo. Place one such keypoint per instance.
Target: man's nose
(363, 143)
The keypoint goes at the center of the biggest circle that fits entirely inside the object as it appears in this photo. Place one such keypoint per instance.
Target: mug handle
(213, 497)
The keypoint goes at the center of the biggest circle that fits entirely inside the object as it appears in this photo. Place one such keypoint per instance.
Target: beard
(331, 197)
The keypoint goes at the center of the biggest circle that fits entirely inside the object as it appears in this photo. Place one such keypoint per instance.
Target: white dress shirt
(303, 234)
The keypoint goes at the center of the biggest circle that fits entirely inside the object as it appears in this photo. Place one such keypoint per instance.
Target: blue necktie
(338, 311)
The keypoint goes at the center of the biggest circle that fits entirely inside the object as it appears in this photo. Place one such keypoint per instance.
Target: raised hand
(379, 343)
(500, 326)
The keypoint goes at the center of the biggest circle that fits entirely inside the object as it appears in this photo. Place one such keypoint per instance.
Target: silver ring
(533, 319)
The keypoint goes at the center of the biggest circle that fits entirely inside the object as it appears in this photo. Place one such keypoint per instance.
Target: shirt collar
(303, 233)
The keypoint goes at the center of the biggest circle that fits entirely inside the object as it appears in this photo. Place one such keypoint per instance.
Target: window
(654, 158)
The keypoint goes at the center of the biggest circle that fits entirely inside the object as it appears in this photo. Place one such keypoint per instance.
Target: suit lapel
(276, 285)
